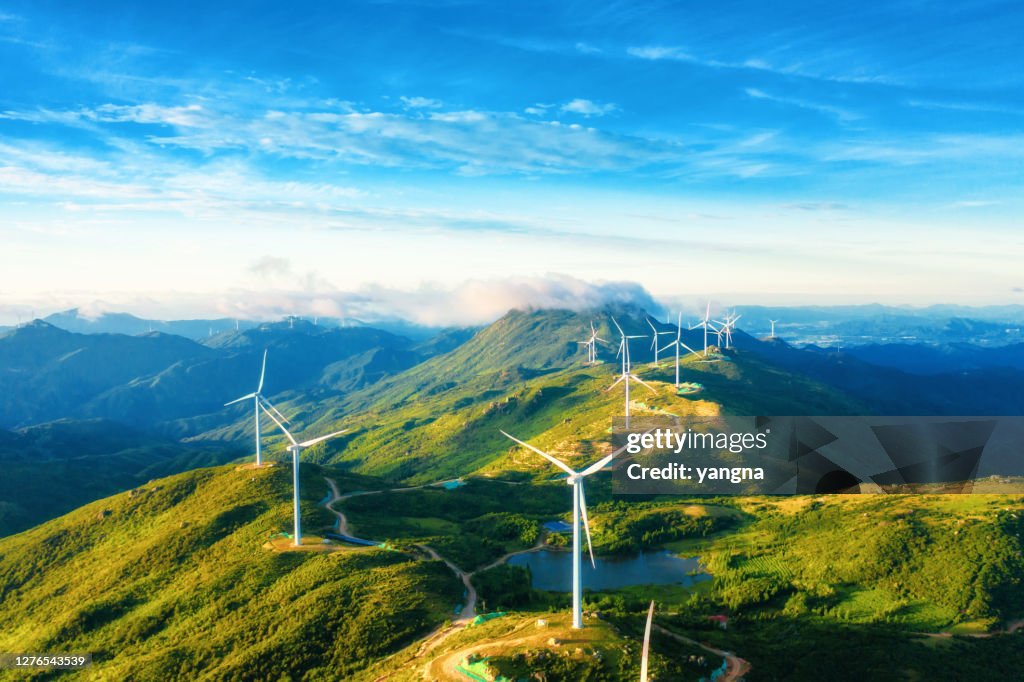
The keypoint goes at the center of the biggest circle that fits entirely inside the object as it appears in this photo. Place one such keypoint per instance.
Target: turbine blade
(263, 371)
(618, 327)
(238, 400)
(690, 349)
(621, 377)
(662, 350)
(598, 465)
(314, 441)
(642, 382)
(586, 522)
(271, 406)
(286, 431)
(647, 643)
(543, 454)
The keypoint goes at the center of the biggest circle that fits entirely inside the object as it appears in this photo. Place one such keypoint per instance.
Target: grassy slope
(173, 582)
(436, 434)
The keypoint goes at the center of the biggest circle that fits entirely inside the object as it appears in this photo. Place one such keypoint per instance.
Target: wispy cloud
(585, 107)
(839, 113)
(422, 102)
(801, 70)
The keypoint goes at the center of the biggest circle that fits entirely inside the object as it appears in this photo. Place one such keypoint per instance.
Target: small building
(721, 619)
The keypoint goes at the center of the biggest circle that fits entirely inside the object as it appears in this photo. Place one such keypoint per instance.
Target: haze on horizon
(258, 160)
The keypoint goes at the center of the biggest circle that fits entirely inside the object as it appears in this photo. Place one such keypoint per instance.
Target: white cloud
(585, 107)
(843, 115)
(679, 54)
(422, 102)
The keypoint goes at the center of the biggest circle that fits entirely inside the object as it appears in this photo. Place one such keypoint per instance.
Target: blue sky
(311, 157)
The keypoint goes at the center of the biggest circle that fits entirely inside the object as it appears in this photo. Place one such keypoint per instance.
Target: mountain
(874, 324)
(52, 468)
(47, 373)
(171, 581)
(124, 323)
(526, 374)
(937, 359)
(991, 390)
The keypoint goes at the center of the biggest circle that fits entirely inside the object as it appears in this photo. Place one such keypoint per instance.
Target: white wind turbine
(296, 449)
(647, 643)
(579, 510)
(591, 345)
(727, 326)
(627, 372)
(678, 344)
(706, 325)
(654, 341)
(256, 396)
(773, 328)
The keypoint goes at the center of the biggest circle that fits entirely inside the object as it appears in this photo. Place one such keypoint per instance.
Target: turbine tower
(257, 395)
(627, 372)
(654, 341)
(678, 344)
(647, 643)
(579, 510)
(773, 328)
(296, 449)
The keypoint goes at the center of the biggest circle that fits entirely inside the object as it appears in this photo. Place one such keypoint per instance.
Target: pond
(552, 570)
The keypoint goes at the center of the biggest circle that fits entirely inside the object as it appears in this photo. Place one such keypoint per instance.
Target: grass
(174, 582)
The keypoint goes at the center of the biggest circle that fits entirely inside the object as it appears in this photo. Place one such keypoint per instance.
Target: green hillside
(172, 581)
(525, 374)
(53, 468)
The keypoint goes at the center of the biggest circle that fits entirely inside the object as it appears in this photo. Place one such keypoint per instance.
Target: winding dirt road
(736, 667)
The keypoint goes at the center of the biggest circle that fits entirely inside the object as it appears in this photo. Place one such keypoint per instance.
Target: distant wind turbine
(773, 328)
(627, 372)
(654, 340)
(256, 396)
(705, 324)
(296, 449)
(579, 510)
(678, 344)
(647, 643)
(728, 324)
(591, 345)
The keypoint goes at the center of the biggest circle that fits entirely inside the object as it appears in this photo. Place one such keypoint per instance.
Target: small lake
(552, 570)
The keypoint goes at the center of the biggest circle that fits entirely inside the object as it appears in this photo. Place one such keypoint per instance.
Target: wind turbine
(591, 345)
(296, 449)
(257, 395)
(647, 644)
(654, 341)
(579, 510)
(627, 373)
(727, 326)
(773, 328)
(678, 344)
(705, 323)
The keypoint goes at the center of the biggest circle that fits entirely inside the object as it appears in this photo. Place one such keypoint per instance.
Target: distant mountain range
(420, 410)
(856, 325)
(74, 320)
(834, 326)
(47, 373)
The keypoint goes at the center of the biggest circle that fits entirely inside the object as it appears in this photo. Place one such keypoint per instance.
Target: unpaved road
(736, 667)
